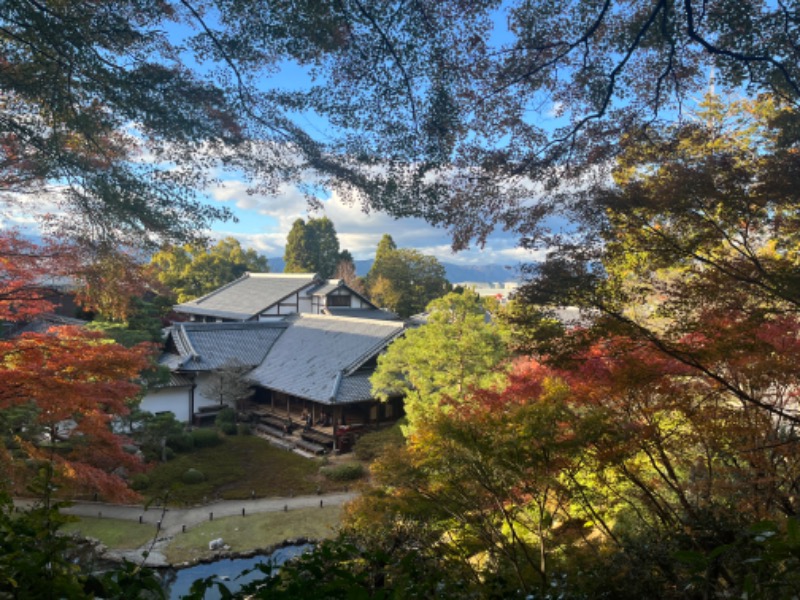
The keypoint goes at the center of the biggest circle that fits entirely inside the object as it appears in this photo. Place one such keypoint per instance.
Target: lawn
(253, 531)
(117, 535)
(235, 469)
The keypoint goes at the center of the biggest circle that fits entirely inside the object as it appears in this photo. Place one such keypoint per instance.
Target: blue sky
(264, 221)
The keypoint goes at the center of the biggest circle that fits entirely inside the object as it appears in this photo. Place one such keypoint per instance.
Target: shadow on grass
(242, 466)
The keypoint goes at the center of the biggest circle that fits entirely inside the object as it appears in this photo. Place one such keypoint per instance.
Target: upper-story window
(339, 300)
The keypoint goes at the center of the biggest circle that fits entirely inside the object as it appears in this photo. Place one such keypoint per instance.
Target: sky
(264, 221)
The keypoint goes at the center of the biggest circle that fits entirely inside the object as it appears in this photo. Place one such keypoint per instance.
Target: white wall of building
(178, 400)
(174, 400)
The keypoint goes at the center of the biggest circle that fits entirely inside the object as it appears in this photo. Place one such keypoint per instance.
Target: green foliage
(191, 271)
(312, 247)
(139, 482)
(143, 323)
(38, 561)
(405, 280)
(180, 442)
(375, 443)
(459, 348)
(226, 415)
(206, 438)
(298, 256)
(344, 472)
(228, 428)
(191, 476)
(324, 244)
(154, 430)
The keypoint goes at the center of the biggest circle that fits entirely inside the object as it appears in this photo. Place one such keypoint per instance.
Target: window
(339, 300)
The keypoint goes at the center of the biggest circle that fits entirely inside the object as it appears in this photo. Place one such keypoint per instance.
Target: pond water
(228, 570)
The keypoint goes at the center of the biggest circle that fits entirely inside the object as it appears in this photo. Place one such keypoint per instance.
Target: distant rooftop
(249, 295)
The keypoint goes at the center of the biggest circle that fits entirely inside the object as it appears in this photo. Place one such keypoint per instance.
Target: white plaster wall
(175, 400)
(304, 304)
(200, 399)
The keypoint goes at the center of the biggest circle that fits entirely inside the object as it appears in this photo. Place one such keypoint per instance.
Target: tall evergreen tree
(323, 244)
(298, 257)
(385, 247)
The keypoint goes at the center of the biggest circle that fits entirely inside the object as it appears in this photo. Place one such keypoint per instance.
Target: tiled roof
(327, 287)
(206, 346)
(355, 388)
(363, 313)
(248, 296)
(317, 356)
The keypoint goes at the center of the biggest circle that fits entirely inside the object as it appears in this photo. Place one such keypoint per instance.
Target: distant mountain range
(490, 273)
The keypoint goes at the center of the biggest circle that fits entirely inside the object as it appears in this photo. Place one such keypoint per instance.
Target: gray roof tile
(206, 346)
(315, 356)
(363, 313)
(248, 296)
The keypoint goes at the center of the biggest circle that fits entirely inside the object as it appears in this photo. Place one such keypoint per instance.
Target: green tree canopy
(192, 271)
(404, 280)
(312, 247)
(459, 348)
(443, 97)
(701, 221)
(325, 246)
(298, 256)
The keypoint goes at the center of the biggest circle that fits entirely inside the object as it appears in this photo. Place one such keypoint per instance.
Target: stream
(178, 583)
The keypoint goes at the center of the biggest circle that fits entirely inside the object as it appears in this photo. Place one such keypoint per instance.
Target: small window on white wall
(339, 300)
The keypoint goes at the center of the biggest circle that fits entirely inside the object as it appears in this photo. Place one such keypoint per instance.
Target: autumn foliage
(60, 390)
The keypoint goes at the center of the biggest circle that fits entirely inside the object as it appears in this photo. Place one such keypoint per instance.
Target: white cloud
(265, 222)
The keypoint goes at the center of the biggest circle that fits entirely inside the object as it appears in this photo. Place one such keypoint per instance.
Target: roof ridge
(216, 291)
(286, 275)
(337, 382)
(186, 342)
(199, 326)
(327, 317)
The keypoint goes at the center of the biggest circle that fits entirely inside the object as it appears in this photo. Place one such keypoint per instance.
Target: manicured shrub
(191, 476)
(205, 438)
(344, 472)
(226, 415)
(227, 428)
(245, 429)
(180, 442)
(139, 482)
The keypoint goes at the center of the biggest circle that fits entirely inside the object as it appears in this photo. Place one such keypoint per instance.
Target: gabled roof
(318, 357)
(363, 313)
(249, 295)
(206, 346)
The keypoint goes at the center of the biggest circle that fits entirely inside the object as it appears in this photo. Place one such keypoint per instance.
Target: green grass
(235, 468)
(116, 534)
(253, 531)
